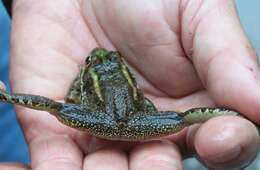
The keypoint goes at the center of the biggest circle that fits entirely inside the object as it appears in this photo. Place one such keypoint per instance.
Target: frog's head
(102, 60)
(107, 68)
(99, 55)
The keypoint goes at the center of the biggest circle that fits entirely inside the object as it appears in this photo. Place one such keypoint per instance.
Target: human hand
(177, 50)
(2, 86)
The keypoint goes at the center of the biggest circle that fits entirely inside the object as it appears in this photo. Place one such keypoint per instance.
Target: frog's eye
(88, 60)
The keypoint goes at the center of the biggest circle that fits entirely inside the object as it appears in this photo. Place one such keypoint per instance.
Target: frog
(105, 101)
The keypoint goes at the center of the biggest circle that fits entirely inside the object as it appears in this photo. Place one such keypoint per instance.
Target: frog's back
(108, 86)
(119, 92)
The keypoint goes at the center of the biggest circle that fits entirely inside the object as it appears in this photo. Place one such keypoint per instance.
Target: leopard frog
(105, 101)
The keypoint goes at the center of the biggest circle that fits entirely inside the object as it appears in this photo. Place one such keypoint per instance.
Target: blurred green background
(249, 12)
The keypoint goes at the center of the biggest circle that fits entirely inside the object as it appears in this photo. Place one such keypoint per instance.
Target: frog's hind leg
(31, 101)
(74, 93)
(200, 115)
(154, 125)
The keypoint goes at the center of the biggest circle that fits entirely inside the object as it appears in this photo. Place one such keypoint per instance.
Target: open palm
(184, 54)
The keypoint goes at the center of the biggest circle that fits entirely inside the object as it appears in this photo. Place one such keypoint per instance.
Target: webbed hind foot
(31, 101)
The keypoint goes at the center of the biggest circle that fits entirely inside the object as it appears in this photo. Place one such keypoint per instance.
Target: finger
(55, 152)
(49, 41)
(222, 55)
(160, 155)
(106, 159)
(13, 166)
(198, 99)
(95, 144)
(233, 144)
(121, 25)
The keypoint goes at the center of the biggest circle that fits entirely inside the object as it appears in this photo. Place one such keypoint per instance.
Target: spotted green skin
(104, 101)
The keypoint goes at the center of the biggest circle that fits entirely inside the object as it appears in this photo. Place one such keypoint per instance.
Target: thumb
(224, 58)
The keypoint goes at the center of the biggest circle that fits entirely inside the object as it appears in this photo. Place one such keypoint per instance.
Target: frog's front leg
(31, 101)
(149, 106)
(74, 93)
